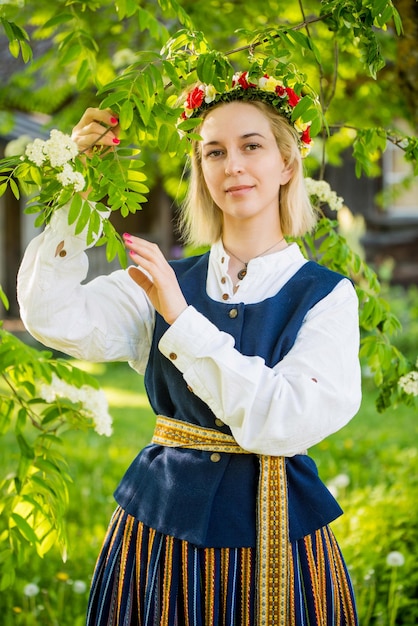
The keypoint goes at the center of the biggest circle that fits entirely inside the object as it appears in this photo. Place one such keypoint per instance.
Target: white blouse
(312, 392)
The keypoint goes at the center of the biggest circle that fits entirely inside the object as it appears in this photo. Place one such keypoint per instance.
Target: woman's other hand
(158, 279)
(96, 127)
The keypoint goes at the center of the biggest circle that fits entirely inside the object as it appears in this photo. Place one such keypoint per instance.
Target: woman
(250, 356)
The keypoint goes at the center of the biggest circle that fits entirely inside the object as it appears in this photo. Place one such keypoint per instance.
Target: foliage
(34, 496)
(134, 58)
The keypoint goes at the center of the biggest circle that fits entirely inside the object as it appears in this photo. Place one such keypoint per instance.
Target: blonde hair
(201, 219)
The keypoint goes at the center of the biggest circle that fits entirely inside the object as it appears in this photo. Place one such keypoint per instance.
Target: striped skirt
(145, 578)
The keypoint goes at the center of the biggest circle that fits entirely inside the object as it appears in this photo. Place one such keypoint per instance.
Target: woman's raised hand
(158, 280)
(97, 127)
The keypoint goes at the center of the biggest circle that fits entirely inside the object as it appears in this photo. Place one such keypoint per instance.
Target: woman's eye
(252, 146)
(213, 154)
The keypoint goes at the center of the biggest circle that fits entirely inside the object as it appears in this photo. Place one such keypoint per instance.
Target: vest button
(219, 422)
(215, 457)
(233, 313)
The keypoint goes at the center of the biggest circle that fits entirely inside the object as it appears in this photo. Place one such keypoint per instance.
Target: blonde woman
(250, 357)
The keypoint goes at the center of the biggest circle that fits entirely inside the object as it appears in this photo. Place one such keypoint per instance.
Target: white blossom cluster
(94, 401)
(69, 177)
(57, 151)
(409, 383)
(320, 191)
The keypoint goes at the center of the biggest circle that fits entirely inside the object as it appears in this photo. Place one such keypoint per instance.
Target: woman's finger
(140, 278)
(96, 127)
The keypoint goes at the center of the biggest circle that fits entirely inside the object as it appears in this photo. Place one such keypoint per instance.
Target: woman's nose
(233, 164)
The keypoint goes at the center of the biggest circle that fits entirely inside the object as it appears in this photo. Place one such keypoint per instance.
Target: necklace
(243, 271)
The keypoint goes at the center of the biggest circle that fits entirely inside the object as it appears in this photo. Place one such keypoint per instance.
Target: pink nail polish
(116, 140)
(114, 120)
(127, 236)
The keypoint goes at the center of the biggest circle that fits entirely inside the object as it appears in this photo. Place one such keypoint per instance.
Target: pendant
(242, 273)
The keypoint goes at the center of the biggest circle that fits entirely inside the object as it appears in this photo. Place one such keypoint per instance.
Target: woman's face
(241, 164)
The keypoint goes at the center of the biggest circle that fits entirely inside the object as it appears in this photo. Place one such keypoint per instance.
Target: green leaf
(8, 29)
(144, 111)
(26, 449)
(189, 124)
(27, 53)
(83, 218)
(15, 189)
(60, 18)
(75, 208)
(112, 99)
(14, 47)
(171, 72)
(23, 526)
(6, 408)
(126, 115)
(302, 106)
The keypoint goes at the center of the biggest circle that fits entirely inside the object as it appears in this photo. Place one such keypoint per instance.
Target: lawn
(371, 465)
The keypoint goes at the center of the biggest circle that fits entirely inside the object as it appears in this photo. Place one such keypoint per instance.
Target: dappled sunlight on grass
(95, 369)
(123, 398)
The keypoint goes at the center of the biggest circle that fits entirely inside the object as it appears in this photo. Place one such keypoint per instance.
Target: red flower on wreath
(243, 81)
(281, 91)
(195, 98)
(293, 96)
(306, 138)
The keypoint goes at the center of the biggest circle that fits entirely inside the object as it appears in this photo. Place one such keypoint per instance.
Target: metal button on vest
(219, 422)
(173, 356)
(233, 313)
(215, 457)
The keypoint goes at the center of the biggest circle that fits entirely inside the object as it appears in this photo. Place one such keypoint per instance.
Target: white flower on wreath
(269, 83)
(210, 93)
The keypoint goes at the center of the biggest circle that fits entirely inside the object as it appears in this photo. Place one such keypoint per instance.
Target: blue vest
(182, 492)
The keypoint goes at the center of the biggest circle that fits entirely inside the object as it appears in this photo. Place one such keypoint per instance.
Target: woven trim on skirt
(146, 578)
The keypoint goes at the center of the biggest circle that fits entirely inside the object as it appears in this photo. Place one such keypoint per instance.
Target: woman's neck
(247, 246)
(242, 250)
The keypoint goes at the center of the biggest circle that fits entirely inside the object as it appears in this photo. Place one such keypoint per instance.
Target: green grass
(373, 460)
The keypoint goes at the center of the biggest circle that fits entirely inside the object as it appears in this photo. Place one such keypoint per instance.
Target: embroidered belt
(272, 513)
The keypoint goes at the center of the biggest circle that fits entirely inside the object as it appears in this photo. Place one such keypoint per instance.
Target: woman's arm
(107, 319)
(314, 391)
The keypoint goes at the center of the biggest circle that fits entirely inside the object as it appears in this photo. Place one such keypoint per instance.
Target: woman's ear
(286, 174)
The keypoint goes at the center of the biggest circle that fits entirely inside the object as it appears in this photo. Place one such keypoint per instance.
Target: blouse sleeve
(107, 319)
(312, 392)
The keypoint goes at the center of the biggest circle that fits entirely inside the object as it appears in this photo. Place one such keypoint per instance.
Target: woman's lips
(238, 190)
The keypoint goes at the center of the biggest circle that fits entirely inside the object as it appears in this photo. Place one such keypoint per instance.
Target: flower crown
(266, 89)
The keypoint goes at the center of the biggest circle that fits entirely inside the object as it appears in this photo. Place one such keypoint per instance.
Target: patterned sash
(272, 513)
